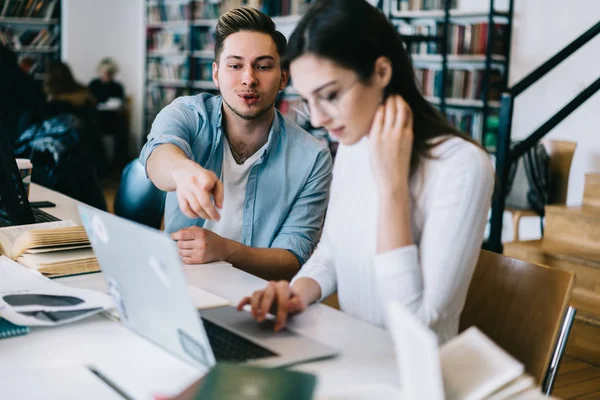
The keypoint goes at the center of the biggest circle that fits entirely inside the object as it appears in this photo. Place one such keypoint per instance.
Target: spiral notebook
(8, 329)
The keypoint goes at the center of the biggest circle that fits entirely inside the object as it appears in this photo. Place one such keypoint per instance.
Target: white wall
(93, 29)
(540, 29)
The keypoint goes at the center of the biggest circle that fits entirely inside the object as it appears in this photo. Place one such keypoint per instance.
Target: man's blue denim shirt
(288, 187)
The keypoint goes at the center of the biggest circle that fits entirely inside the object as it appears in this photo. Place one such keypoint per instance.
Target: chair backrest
(137, 198)
(561, 156)
(520, 306)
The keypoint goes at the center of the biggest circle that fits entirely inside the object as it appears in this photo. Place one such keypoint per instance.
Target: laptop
(144, 274)
(15, 208)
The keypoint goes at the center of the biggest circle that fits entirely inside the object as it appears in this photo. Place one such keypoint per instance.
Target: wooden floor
(576, 379)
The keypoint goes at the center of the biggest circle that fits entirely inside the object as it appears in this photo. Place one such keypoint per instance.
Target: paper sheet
(15, 281)
(204, 299)
(72, 382)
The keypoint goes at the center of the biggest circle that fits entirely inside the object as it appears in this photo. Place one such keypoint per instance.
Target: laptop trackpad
(243, 323)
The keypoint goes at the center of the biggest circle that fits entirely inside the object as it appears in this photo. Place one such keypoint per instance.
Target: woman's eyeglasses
(327, 104)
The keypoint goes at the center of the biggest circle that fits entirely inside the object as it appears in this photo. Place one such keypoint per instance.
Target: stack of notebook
(52, 248)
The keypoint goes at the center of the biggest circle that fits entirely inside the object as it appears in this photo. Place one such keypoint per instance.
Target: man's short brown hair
(247, 19)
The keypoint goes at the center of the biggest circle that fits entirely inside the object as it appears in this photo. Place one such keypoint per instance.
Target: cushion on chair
(137, 198)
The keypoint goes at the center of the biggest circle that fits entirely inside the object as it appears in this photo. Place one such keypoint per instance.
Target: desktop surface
(143, 370)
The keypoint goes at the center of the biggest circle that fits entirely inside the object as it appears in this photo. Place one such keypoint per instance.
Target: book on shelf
(463, 38)
(167, 41)
(168, 12)
(171, 69)
(420, 5)
(40, 9)
(460, 83)
(29, 39)
(52, 248)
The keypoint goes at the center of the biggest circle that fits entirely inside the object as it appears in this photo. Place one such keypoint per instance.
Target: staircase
(571, 242)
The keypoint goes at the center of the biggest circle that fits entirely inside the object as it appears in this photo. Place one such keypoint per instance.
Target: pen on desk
(110, 383)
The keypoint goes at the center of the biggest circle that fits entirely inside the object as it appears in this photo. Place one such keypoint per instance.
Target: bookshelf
(180, 45)
(461, 59)
(32, 29)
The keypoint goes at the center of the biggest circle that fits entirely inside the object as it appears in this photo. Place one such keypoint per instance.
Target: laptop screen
(14, 205)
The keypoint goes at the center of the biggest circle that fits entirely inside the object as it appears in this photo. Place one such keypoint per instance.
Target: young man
(245, 185)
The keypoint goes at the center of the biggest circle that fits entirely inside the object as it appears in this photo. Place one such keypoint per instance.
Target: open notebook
(468, 367)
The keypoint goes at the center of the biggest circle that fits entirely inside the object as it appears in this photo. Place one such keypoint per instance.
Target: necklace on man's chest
(238, 159)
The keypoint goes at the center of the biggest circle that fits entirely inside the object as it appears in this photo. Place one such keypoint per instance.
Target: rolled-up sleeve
(302, 227)
(176, 124)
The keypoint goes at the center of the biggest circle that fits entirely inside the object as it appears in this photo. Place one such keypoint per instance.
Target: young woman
(410, 194)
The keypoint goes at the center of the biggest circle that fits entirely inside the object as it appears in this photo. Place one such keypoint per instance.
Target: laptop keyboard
(227, 346)
(42, 216)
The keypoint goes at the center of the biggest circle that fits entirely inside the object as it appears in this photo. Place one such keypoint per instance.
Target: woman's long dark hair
(355, 34)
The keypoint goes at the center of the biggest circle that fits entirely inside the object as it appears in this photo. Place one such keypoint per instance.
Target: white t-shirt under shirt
(235, 179)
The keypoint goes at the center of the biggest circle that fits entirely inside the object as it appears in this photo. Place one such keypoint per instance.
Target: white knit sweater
(451, 197)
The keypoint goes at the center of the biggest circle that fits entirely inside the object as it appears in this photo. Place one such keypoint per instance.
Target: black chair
(137, 198)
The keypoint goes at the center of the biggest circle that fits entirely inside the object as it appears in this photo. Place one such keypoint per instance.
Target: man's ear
(215, 73)
(285, 77)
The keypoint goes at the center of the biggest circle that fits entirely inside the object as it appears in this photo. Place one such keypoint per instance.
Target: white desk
(142, 369)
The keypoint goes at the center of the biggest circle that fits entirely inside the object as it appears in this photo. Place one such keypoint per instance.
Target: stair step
(587, 303)
(547, 249)
(584, 264)
(591, 190)
(576, 226)
(584, 341)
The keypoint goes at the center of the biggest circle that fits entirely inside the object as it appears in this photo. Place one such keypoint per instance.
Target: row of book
(460, 83)
(31, 38)
(471, 123)
(166, 12)
(209, 9)
(462, 38)
(173, 41)
(159, 97)
(44, 9)
(472, 38)
(173, 69)
(467, 121)
(168, 69)
(166, 41)
(418, 5)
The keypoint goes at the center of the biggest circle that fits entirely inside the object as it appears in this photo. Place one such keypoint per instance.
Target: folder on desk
(234, 382)
(8, 329)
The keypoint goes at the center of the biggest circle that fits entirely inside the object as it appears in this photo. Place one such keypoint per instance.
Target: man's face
(106, 76)
(249, 74)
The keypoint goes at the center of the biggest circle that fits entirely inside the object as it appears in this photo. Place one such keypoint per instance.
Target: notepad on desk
(474, 367)
(52, 248)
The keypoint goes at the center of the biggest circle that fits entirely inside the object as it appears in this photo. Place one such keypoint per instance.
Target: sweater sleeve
(321, 265)
(432, 279)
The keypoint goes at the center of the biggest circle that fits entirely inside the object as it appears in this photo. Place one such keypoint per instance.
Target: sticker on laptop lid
(115, 292)
(194, 349)
(160, 269)
(99, 229)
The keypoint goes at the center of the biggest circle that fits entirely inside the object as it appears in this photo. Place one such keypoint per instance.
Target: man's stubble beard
(247, 117)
